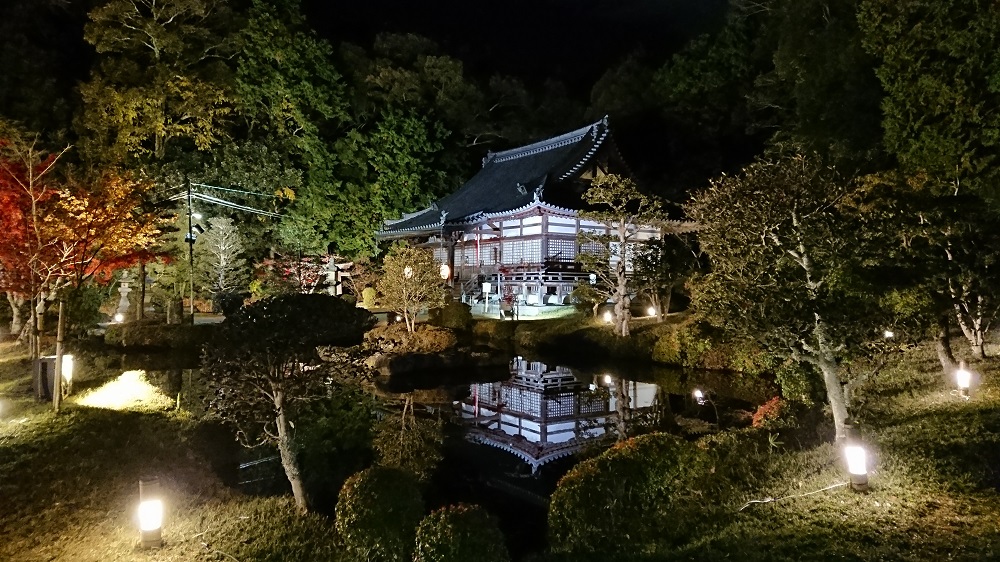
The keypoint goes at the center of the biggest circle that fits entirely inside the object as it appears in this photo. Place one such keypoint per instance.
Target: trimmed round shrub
(458, 533)
(454, 315)
(377, 515)
(368, 295)
(645, 490)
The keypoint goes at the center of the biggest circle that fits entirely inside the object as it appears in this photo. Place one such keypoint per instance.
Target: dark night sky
(570, 40)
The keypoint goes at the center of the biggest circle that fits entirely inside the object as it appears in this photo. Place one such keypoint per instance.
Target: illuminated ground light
(129, 391)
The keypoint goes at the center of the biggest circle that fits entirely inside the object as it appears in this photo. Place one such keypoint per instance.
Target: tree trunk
(288, 459)
(621, 300)
(972, 325)
(16, 320)
(943, 345)
(834, 393)
(141, 312)
(623, 408)
(58, 379)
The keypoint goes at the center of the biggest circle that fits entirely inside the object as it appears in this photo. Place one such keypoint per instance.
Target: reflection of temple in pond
(545, 413)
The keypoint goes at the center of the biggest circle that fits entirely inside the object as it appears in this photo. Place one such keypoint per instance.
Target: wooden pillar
(451, 260)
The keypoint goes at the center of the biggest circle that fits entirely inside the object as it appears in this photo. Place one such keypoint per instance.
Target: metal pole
(190, 241)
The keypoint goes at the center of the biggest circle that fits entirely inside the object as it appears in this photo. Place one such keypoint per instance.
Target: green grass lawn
(69, 485)
(935, 475)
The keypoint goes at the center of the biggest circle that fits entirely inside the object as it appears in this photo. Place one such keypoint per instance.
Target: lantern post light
(445, 271)
(857, 458)
(889, 334)
(651, 311)
(150, 514)
(608, 317)
(963, 378)
(607, 380)
(699, 396)
(857, 465)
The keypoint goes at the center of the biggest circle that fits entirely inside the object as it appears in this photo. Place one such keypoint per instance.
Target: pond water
(515, 435)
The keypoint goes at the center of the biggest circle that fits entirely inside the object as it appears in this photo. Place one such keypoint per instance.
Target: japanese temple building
(516, 221)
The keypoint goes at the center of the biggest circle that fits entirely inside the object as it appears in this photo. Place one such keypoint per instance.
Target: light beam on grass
(129, 391)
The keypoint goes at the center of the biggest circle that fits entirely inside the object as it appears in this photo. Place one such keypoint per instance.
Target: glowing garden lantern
(608, 317)
(408, 272)
(150, 514)
(857, 464)
(699, 396)
(445, 271)
(119, 318)
(963, 378)
(889, 334)
(651, 311)
(607, 380)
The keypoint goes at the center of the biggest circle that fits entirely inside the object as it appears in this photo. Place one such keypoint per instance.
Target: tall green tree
(786, 261)
(937, 64)
(608, 252)
(160, 81)
(258, 368)
(290, 108)
(410, 282)
(663, 265)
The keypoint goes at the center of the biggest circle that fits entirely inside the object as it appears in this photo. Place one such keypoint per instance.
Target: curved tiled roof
(510, 180)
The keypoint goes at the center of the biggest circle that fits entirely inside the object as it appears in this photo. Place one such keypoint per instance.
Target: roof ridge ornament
(488, 157)
(521, 189)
